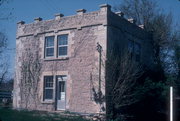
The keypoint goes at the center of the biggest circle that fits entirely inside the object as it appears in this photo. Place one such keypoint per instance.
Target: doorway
(61, 92)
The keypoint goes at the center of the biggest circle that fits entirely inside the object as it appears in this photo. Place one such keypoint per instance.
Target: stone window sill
(58, 58)
(47, 102)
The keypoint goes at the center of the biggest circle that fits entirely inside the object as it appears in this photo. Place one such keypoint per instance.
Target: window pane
(62, 51)
(62, 86)
(49, 51)
(130, 46)
(50, 41)
(62, 39)
(48, 81)
(48, 94)
(137, 48)
(49, 46)
(48, 87)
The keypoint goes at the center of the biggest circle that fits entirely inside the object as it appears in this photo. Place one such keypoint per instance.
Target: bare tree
(5, 12)
(3, 42)
(143, 11)
(3, 64)
(160, 24)
(176, 56)
(146, 12)
(127, 75)
(4, 15)
(3, 71)
(122, 75)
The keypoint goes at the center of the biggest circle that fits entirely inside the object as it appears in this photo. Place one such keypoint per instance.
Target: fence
(6, 95)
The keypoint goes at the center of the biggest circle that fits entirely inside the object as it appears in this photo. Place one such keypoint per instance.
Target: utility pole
(171, 103)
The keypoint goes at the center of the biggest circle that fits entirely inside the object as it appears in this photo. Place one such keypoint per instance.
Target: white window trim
(45, 48)
(62, 46)
(44, 88)
(46, 51)
(58, 50)
(56, 55)
(50, 73)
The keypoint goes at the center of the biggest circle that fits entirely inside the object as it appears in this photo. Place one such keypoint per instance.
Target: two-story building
(70, 55)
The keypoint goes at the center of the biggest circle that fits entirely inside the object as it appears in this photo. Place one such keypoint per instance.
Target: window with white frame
(62, 45)
(48, 88)
(49, 46)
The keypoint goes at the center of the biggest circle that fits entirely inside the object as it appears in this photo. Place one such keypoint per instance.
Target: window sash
(63, 43)
(137, 51)
(49, 54)
(63, 52)
(137, 48)
(130, 46)
(134, 50)
(48, 41)
(48, 84)
(48, 94)
(49, 45)
(48, 87)
(62, 39)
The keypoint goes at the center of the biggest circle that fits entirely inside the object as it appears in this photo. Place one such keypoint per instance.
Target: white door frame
(61, 101)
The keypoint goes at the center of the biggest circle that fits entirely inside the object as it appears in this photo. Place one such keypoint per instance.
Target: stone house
(71, 54)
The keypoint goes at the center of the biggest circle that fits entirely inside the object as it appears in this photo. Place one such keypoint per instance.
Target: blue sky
(27, 10)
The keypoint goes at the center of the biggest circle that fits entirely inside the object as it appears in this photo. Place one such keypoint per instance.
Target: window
(137, 49)
(62, 45)
(48, 87)
(49, 46)
(134, 49)
(130, 48)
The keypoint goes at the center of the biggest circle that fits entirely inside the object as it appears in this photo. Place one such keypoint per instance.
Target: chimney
(81, 11)
(120, 13)
(58, 16)
(37, 19)
(105, 7)
(20, 23)
(131, 20)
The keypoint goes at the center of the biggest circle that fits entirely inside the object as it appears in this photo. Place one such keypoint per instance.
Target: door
(61, 92)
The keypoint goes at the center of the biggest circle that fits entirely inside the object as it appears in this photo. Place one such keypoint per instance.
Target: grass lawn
(14, 115)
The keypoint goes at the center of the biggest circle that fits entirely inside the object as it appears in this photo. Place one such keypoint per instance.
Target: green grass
(15, 115)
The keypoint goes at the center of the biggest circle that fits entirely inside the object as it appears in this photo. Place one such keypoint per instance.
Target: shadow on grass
(24, 115)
